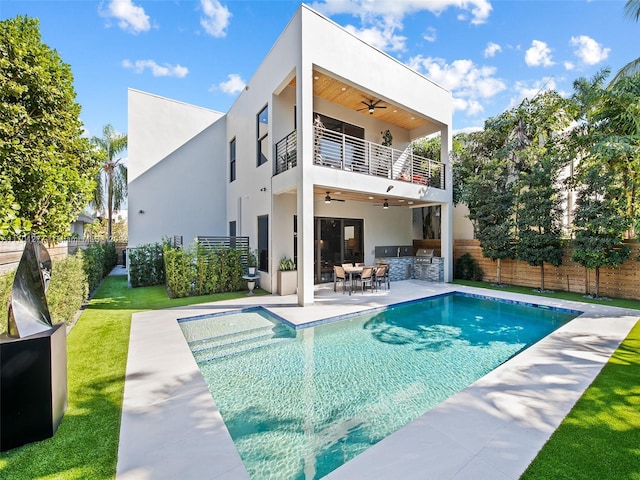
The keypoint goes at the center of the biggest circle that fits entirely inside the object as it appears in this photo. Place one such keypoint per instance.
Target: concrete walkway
(171, 427)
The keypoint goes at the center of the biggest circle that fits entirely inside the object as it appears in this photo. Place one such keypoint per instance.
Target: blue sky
(490, 54)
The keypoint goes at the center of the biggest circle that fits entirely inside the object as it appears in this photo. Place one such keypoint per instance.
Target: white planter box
(287, 282)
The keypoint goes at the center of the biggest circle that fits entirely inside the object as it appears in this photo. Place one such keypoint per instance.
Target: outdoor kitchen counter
(400, 268)
(408, 267)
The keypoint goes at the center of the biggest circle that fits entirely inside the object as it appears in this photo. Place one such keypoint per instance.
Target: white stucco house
(297, 163)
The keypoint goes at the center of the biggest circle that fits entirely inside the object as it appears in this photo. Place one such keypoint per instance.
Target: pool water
(300, 403)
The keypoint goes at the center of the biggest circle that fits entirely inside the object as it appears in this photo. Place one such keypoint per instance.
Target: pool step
(223, 346)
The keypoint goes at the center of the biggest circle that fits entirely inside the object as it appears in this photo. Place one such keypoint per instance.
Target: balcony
(336, 150)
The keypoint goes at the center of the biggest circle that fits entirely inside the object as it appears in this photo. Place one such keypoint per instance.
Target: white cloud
(589, 51)
(469, 83)
(531, 89)
(216, 18)
(382, 37)
(569, 66)
(492, 49)
(166, 70)
(234, 85)
(430, 35)
(539, 54)
(381, 20)
(130, 17)
(479, 9)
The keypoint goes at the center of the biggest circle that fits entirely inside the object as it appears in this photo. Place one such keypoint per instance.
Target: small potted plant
(252, 262)
(287, 277)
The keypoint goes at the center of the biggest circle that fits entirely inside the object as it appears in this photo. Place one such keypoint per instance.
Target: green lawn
(600, 439)
(86, 443)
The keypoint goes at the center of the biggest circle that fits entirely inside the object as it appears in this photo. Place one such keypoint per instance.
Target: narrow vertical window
(262, 121)
(232, 228)
(232, 160)
(263, 243)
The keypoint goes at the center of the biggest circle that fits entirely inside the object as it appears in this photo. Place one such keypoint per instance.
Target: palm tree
(631, 10)
(111, 180)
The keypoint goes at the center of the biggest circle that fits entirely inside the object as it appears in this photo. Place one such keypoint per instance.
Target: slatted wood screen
(621, 282)
(239, 243)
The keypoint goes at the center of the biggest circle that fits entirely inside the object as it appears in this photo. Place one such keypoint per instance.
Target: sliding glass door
(337, 241)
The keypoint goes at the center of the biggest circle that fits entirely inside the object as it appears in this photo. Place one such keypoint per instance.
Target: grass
(86, 443)
(600, 438)
(575, 297)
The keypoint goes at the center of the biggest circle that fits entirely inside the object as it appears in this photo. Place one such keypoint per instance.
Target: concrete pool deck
(171, 427)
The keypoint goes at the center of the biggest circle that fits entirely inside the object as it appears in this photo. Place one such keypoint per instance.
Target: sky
(490, 54)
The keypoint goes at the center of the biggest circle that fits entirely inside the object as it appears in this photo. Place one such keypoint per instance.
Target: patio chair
(339, 275)
(367, 278)
(382, 276)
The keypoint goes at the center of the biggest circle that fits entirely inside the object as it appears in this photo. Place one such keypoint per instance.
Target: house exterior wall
(199, 152)
(175, 186)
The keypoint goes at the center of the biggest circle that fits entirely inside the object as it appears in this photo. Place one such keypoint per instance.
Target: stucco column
(304, 112)
(446, 210)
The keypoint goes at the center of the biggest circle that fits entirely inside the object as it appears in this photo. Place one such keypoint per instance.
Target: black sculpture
(33, 356)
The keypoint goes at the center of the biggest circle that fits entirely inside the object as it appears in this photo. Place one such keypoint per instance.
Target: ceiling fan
(328, 199)
(371, 105)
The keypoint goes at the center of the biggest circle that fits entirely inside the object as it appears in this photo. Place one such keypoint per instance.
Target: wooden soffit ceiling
(351, 196)
(347, 95)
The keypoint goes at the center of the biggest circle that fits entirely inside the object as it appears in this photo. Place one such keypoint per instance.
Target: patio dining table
(355, 270)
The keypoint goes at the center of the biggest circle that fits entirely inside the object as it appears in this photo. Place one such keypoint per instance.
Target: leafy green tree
(98, 229)
(10, 224)
(111, 180)
(540, 215)
(541, 150)
(44, 161)
(491, 207)
(609, 132)
(600, 221)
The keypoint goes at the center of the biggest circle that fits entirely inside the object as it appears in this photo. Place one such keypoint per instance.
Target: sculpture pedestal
(251, 283)
(33, 386)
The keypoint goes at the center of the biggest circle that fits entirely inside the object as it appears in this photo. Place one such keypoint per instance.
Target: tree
(631, 10)
(98, 230)
(44, 161)
(111, 180)
(609, 131)
(10, 224)
(539, 216)
(600, 220)
(541, 150)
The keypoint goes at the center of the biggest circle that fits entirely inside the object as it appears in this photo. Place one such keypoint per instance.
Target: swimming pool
(300, 403)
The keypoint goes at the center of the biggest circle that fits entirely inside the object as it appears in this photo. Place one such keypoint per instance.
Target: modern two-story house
(312, 161)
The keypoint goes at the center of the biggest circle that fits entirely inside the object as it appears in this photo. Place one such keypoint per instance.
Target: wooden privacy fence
(621, 282)
(11, 252)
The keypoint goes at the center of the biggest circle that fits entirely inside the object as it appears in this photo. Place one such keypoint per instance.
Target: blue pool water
(300, 403)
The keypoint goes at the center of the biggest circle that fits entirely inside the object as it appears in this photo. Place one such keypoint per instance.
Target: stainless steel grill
(423, 255)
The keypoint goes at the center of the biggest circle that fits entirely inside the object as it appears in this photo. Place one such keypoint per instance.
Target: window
(232, 228)
(263, 243)
(232, 160)
(262, 121)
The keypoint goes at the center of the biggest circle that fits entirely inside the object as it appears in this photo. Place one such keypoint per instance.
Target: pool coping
(171, 427)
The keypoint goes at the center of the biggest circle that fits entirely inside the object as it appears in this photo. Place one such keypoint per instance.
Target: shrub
(201, 271)
(146, 265)
(180, 271)
(467, 268)
(68, 289)
(99, 260)
(6, 282)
